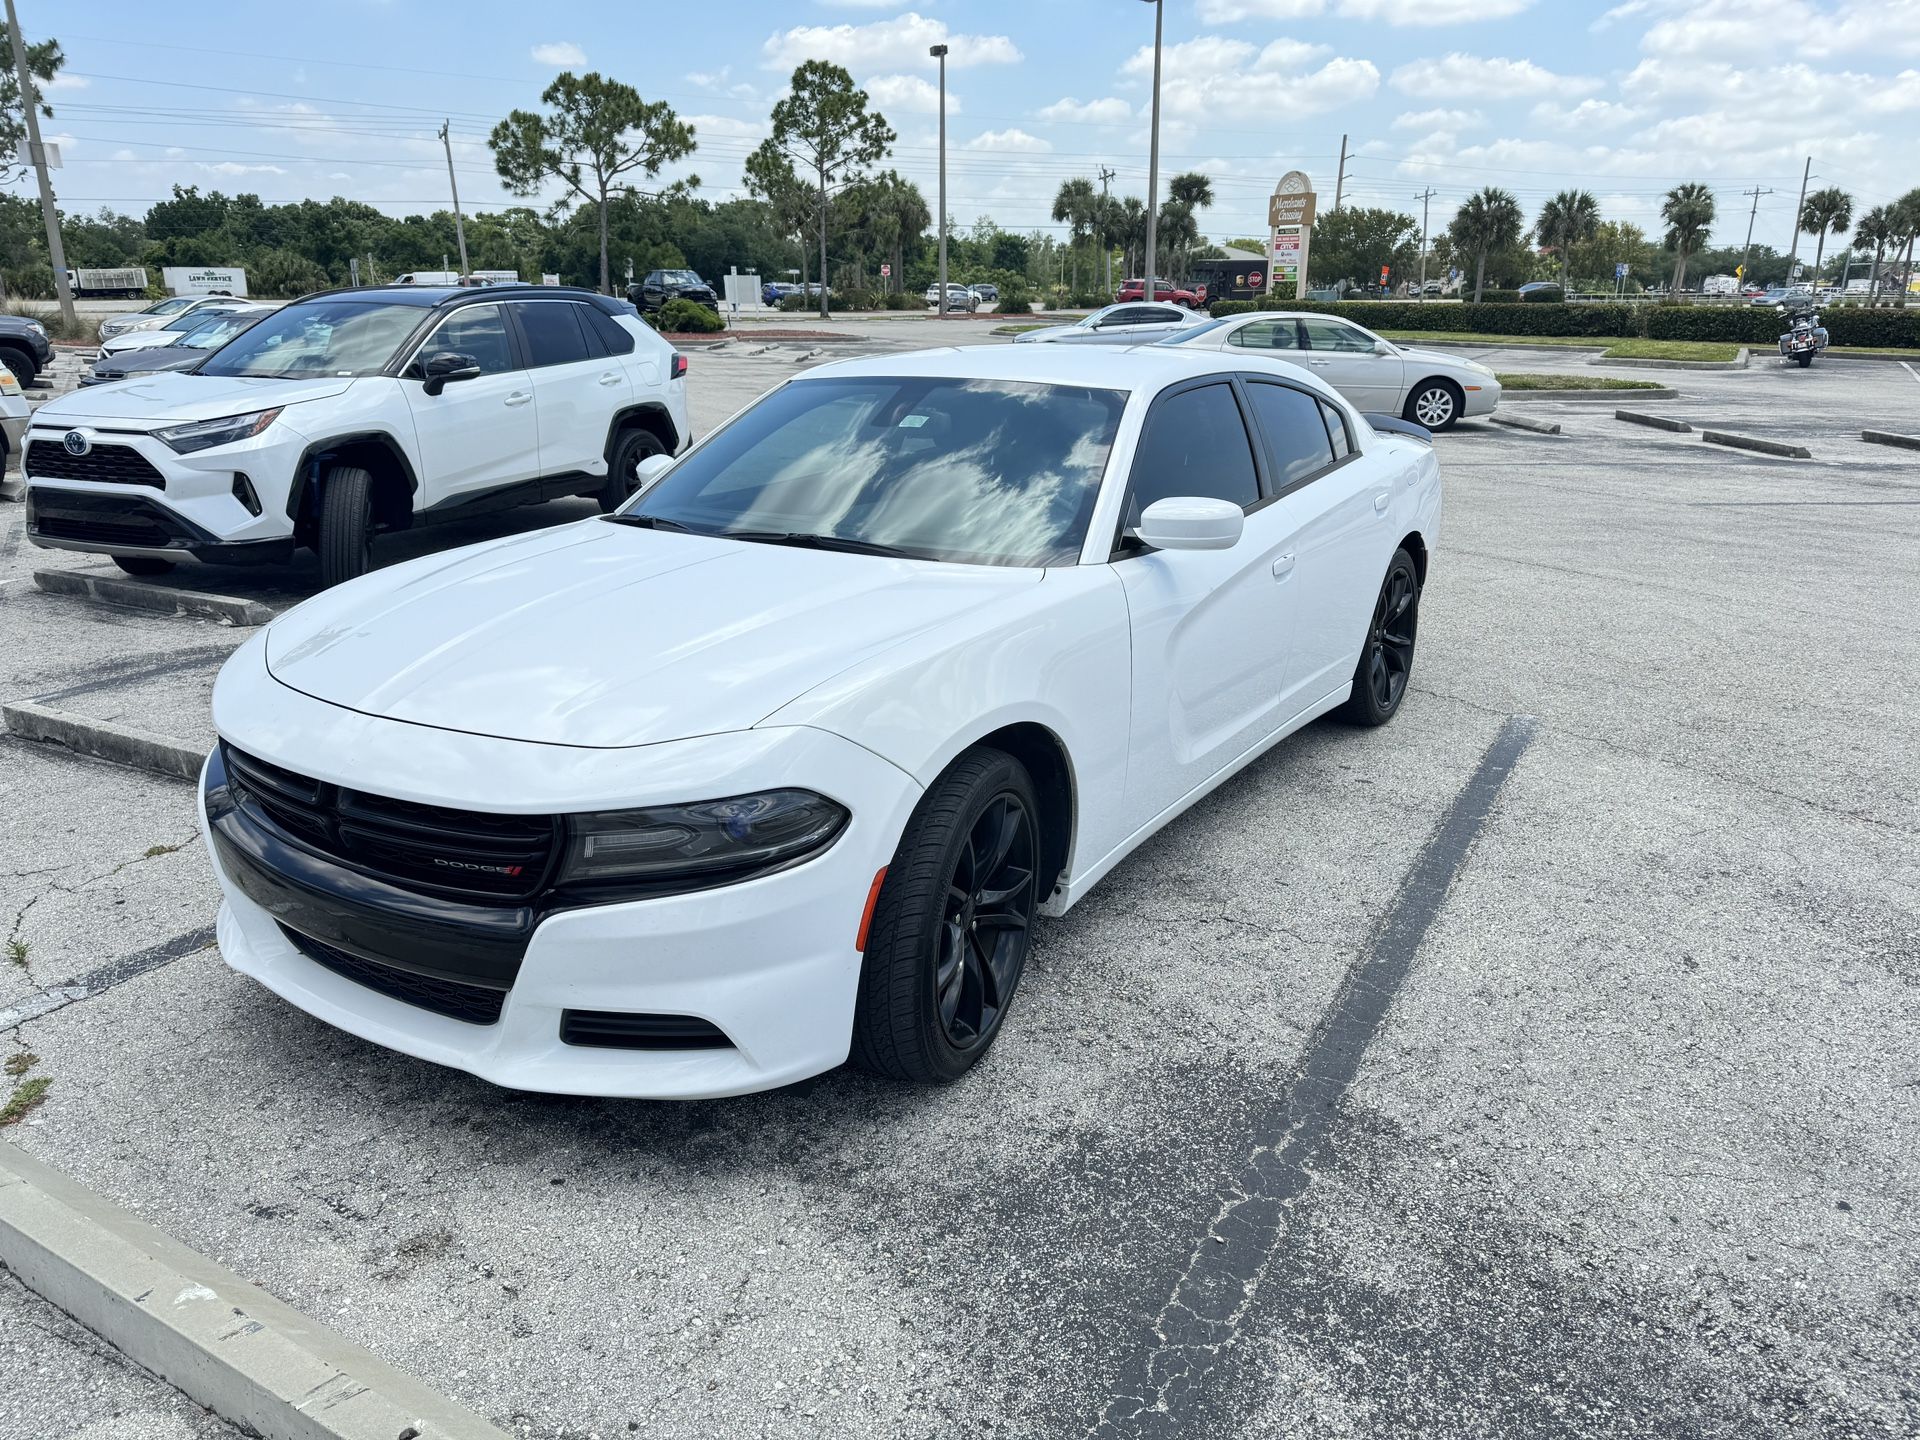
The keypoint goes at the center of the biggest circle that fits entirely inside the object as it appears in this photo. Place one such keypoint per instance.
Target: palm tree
(1826, 210)
(1906, 211)
(1688, 211)
(1077, 206)
(1488, 221)
(903, 216)
(1567, 219)
(1876, 228)
(1132, 232)
(1179, 226)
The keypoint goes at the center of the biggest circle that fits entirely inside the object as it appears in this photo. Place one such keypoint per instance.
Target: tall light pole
(56, 252)
(459, 226)
(939, 52)
(1425, 196)
(1153, 150)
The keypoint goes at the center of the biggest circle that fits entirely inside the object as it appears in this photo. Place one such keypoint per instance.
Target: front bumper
(1483, 400)
(770, 963)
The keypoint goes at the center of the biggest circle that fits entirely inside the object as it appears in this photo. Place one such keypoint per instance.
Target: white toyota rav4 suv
(354, 412)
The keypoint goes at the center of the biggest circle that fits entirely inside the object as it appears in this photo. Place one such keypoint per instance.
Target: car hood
(160, 357)
(605, 636)
(168, 399)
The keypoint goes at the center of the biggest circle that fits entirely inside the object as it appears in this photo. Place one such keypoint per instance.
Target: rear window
(617, 339)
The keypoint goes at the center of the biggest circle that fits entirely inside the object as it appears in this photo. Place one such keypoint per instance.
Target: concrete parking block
(1658, 422)
(220, 1339)
(1756, 444)
(123, 744)
(1527, 422)
(1887, 437)
(161, 599)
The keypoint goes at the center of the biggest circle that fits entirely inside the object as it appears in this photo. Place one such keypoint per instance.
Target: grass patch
(26, 1098)
(1673, 350)
(1616, 348)
(17, 951)
(153, 850)
(1468, 337)
(20, 1062)
(1574, 382)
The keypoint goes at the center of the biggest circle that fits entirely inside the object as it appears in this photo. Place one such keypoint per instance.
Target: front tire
(622, 479)
(1803, 361)
(950, 933)
(1436, 404)
(345, 542)
(24, 367)
(143, 564)
(1386, 660)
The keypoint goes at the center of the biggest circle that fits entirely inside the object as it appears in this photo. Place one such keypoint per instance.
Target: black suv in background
(24, 347)
(661, 286)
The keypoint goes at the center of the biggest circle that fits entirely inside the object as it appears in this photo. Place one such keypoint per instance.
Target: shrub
(688, 317)
(1495, 297)
(797, 300)
(1553, 296)
(1015, 299)
(901, 300)
(1892, 328)
(30, 282)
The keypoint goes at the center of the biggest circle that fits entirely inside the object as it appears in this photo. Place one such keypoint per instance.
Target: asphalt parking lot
(1539, 1065)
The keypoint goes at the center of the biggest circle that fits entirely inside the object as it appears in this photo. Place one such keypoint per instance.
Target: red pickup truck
(1166, 290)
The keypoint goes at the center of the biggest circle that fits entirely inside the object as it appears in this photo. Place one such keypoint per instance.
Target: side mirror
(1188, 522)
(650, 470)
(445, 365)
(1384, 347)
(1781, 308)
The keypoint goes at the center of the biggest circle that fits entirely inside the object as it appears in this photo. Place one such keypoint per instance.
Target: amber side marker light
(866, 915)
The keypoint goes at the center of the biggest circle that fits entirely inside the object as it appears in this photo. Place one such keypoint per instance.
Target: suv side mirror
(1190, 522)
(445, 365)
(650, 470)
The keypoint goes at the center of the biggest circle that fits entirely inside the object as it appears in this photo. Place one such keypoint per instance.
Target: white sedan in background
(1136, 322)
(1427, 387)
(778, 764)
(172, 330)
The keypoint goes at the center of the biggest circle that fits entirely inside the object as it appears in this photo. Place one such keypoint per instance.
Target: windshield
(169, 307)
(347, 336)
(215, 332)
(680, 277)
(192, 320)
(985, 472)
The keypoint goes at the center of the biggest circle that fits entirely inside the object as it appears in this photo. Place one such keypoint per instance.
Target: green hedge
(687, 317)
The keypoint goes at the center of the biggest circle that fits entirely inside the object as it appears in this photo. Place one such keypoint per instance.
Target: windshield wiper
(653, 522)
(804, 541)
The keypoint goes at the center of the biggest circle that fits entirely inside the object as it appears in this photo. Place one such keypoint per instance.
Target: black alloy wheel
(949, 937)
(1386, 660)
(623, 471)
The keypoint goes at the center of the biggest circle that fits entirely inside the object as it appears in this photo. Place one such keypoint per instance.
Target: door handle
(1283, 566)
(1322, 364)
(519, 397)
(1380, 500)
(610, 378)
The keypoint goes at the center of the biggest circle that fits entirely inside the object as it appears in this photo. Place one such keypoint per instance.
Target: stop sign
(886, 272)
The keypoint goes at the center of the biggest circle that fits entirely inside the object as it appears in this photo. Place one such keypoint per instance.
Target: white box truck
(125, 282)
(203, 280)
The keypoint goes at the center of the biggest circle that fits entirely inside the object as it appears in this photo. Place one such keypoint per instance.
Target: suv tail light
(679, 366)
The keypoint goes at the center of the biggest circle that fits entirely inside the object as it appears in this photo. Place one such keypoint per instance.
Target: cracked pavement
(1628, 1150)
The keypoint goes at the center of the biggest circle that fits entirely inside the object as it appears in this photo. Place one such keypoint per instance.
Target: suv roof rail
(610, 303)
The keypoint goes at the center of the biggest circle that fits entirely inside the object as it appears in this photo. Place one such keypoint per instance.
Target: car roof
(1101, 367)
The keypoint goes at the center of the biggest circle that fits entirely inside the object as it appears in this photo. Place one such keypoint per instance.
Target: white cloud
(1010, 141)
(1210, 76)
(1900, 93)
(1588, 115)
(897, 44)
(559, 53)
(1438, 120)
(234, 167)
(63, 81)
(1739, 29)
(1228, 12)
(1431, 12)
(1474, 77)
(338, 175)
(124, 155)
(913, 94)
(1108, 111)
(725, 127)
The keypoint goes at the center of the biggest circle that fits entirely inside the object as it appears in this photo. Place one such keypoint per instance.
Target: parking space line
(1913, 373)
(1161, 1383)
(104, 977)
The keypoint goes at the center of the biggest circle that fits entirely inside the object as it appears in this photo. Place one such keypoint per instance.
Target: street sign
(1384, 272)
(1620, 270)
(1290, 222)
(886, 272)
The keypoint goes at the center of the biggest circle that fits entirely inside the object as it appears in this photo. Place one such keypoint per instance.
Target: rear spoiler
(1394, 425)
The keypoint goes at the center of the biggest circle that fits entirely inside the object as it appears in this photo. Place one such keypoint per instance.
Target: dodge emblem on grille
(76, 443)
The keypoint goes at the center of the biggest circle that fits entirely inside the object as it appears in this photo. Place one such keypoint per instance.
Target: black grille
(130, 532)
(463, 852)
(475, 1004)
(622, 1030)
(108, 464)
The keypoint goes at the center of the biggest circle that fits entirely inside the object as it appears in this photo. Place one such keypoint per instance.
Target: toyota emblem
(75, 443)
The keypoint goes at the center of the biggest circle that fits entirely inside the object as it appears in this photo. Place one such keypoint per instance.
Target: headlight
(710, 841)
(205, 434)
(37, 328)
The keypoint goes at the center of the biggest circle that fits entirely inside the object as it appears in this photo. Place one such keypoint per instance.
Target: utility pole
(938, 52)
(1106, 250)
(459, 226)
(1340, 178)
(1153, 151)
(29, 105)
(1798, 208)
(1746, 260)
(1424, 197)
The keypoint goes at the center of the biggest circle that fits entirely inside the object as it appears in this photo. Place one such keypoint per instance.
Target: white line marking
(1911, 371)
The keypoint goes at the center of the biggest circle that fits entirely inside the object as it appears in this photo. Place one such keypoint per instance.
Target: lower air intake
(624, 1030)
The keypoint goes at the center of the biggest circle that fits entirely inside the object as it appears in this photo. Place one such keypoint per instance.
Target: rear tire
(632, 447)
(950, 933)
(1386, 661)
(1436, 404)
(345, 542)
(143, 564)
(24, 367)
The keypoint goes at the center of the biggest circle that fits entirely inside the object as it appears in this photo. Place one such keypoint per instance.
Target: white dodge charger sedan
(778, 764)
(1425, 386)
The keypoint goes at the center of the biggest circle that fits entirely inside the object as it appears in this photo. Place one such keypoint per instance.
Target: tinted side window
(1267, 335)
(1332, 335)
(612, 334)
(1337, 431)
(1195, 443)
(1296, 436)
(553, 334)
(479, 331)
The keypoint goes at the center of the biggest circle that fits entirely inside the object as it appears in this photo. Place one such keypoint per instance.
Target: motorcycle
(1806, 337)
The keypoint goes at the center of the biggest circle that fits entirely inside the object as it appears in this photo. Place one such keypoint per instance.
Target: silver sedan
(1135, 322)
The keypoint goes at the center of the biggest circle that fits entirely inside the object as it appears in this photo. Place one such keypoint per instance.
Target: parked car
(1791, 296)
(988, 294)
(14, 411)
(1539, 290)
(959, 297)
(660, 286)
(24, 347)
(1428, 387)
(355, 412)
(186, 351)
(1432, 287)
(158, 314)
(1162, 290)
(1131, 324)
(774, 291)
(780, 765)
(168, 333)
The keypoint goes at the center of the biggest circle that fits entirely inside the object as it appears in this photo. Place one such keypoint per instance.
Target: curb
(225, 1343)
(122, 744)
(1527, 422)
(1887, 437)
(1763, 447)
(1514, 397)
(1739, 362)
(227, 609)
(1658, 422)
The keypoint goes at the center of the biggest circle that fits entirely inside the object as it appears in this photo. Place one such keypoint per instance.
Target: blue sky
(1532, 95)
